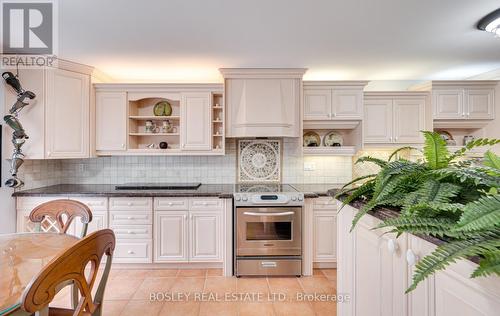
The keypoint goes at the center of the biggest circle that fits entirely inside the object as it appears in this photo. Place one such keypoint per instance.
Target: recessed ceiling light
(491, 23)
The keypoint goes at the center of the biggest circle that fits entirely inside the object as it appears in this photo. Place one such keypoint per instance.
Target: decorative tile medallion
(259, 160)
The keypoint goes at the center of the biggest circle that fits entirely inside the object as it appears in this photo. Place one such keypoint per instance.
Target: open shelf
(330, 151)
(218, 126)
(153, 117)
(153, 134)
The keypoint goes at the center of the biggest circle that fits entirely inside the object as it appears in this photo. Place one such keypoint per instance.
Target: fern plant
(445, 195)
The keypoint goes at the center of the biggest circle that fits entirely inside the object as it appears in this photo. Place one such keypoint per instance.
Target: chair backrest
(69, 266)
(57, 209)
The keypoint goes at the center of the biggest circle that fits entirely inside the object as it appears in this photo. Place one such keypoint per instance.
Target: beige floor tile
(130, 273)
(252, 285)
(188, 285)
(220, 285)
(165, 273)
(134, 308)
(318, 272)
(113, 308)
(152, 285)
(325, 308)
(288, 286)
(214, 272)
(121, 288)
(317, 285)
(219, 309)
(62, 298)
(293, 309)
(192, 273)
(330, 273)
(257, 308)
(188, 308)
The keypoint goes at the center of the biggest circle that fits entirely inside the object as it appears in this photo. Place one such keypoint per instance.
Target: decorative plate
(311, 139)
(445, 135)
(333, 139)
(162, 108)
(259, 161)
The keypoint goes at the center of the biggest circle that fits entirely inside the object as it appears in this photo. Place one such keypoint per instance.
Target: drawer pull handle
(411, 257)
(130, 252)
(130, 217)
(392, 246)
(170, 203)
(130, 203)
(129, 232)
(268, 264)
(205, 203)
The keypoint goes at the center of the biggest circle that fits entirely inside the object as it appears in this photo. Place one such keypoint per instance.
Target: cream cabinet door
(196, 121)
(378, 121)
(409, 120)
(347, 104)
(171, 233)
(448, 104)
(325, 236)
(205, 236)
(111, 121)
(317, 104)
(480, 103)
(99, 221)
(345, 260)
(67, 114)
(380, 271)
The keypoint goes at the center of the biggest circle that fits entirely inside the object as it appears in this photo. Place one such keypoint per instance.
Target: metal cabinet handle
(463, 113)
(396, 139)
(129, 232)
(411, 257)
(269, 264)
(268, 214)
(123, 145)
(334, 114)
(170, 203)
(392, 246)
(130, 252)
(130, 204)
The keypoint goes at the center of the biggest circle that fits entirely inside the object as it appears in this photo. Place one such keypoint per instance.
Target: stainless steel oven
(269, 231)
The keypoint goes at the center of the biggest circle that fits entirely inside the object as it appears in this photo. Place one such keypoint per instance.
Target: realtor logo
(28, 27)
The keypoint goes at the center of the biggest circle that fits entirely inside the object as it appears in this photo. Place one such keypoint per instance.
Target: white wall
(7, 205)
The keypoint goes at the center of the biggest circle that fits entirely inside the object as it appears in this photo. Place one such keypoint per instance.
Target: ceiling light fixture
(491, 23)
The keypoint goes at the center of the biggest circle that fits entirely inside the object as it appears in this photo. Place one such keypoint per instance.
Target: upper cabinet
(333, 100)
(159, 119)
(58, 120)
(461, 100)
(263, 102)
(395, 117)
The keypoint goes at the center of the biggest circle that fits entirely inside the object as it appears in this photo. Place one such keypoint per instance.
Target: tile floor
(128, 293)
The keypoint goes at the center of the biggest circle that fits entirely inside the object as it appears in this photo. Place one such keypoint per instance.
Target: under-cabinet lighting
(491, 23)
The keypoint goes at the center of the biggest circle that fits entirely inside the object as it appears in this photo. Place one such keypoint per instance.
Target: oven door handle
(268, 214)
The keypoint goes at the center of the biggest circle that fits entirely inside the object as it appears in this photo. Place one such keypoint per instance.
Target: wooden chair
(57, 209)
(69, 267)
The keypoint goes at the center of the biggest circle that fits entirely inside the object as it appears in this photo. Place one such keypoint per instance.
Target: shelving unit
(351, 135)
(218, 126)
(140, 111)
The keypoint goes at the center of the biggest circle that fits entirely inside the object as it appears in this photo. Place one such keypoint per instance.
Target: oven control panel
(269, 198)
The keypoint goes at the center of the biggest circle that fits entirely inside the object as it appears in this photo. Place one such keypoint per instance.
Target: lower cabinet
(189, 235)
(375, 269)
(324, 231)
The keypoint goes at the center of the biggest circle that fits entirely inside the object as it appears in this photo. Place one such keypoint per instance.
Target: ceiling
(188, 40)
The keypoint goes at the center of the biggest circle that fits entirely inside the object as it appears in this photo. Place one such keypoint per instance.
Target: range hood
(263, 102)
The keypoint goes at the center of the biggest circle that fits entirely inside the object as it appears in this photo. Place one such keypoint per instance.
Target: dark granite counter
(108, 190)
(317, 190)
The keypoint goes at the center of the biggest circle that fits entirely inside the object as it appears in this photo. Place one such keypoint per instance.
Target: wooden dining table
(23, 256)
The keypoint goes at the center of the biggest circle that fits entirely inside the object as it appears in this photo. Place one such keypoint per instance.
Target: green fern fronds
(435, 151)
(362, 191)
(428, 226)
(365, 209)
(473, 144)
(489, 265)
(433, 209)
(491, 160)
(475, 175)
(431, 191)
(394, 153)
(480, 215)
(448, 253)
(379, 162)
(368, 176)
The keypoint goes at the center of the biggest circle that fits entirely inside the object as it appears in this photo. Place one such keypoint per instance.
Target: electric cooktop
(158, 186)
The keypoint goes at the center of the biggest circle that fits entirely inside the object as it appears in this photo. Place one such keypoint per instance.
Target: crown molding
(259, 73)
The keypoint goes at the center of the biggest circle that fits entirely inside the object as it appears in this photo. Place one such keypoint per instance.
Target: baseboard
(174, 265)
(325, 265)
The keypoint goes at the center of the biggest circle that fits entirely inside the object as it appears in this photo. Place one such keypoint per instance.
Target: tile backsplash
(205, 169)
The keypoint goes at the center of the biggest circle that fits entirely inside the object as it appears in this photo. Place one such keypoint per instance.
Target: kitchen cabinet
(263, 102)
(394, 119)
(111, 121)
(171, 236)
(193, 235)
(196, 122)
(345, 260)
(57, 121)
(324, 230)
(464, 103)
(67, 114)
(333, 100)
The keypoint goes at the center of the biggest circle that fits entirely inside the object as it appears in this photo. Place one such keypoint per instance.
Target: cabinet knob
(396, 139)
(185, 216)
(129, 203)
(329, 115)
(392, 246)
(390, 138)
(205, 203)
(123, 146)
(468, 114)
(129, 232)
(130, 217)
(190, 216)
(463, 113)
(170, 203)
(411, 257)
(334, 114)
(130, 252)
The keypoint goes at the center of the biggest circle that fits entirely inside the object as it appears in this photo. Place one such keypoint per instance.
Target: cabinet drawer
(29, 203)
(95, 204)
(165, 204)
(133, 231)
(130, 204)
(133, 251)
(130, 218)
(205, 204)
(324, 203)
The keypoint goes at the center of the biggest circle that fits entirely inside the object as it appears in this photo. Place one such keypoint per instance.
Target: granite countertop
(205, 190)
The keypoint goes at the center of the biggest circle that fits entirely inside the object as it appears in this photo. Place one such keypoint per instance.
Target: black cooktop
(158, 186)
